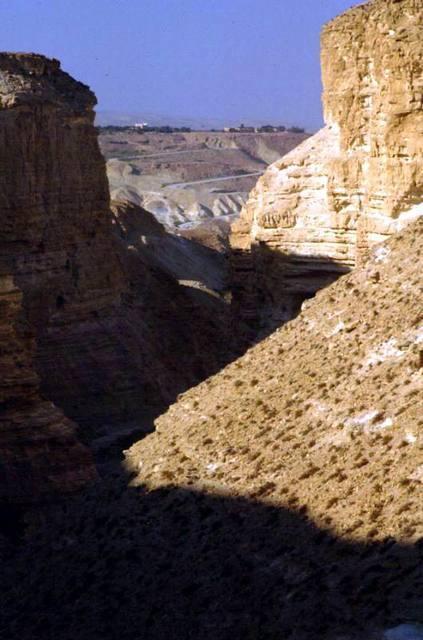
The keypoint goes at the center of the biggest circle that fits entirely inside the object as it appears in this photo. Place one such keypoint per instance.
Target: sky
(230, 60)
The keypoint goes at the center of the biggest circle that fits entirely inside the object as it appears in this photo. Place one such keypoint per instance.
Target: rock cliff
(39, 453)
(316, 212)
(40, 456)
(56, 231)
(116, 336)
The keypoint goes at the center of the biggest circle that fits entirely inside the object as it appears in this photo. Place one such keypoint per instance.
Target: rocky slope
(116, 337)
(330, 400)
(315, 213)
(188, 261)
(321, 418)
(281, 498)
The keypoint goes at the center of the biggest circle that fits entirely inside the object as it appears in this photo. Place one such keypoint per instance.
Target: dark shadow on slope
(269, 286)
(168, 330)
(180, 258)
(213, 232)
(177, 564)
(169, 327)
(176, 322)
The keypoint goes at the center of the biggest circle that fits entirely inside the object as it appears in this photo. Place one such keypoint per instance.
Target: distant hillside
(183, 178)
(122, 118)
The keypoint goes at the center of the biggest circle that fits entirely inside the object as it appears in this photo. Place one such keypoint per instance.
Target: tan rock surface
(116, 336)
(323, 420)
(316, 212)
(323, 414)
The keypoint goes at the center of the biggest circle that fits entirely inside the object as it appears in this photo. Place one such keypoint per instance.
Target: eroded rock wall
(117, 336)
(315, 213)
(40, 456)
(56, 230)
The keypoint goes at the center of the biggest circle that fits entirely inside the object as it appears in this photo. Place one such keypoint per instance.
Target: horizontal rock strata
(116, 335)
(40, 457)
(315, 213)
(56, 231)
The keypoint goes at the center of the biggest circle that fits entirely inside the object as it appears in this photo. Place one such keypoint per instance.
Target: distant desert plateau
(186, 178)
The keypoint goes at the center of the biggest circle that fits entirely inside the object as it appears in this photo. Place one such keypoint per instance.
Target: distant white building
(141, 125)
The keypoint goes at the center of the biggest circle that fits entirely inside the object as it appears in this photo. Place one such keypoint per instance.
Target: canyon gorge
(113, 334)
(212, 438)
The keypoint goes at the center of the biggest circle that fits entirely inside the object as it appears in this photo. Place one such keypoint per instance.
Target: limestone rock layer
(316, 212)
(116, 336)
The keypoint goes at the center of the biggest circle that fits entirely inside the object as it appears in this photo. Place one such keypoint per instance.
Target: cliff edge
(316, 212)
(115, 336)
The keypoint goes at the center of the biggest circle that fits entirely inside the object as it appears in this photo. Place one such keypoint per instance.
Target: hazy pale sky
(228, 59)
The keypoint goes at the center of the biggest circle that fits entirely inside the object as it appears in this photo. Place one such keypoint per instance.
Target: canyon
(115, 336)
(281, 496)
(280, 493)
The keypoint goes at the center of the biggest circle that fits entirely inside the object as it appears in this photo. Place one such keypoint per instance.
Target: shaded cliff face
(56, 229)
(315, 213)
(175, 320)
(40, 457)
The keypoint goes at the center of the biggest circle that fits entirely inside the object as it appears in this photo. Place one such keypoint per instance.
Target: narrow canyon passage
(211, 426)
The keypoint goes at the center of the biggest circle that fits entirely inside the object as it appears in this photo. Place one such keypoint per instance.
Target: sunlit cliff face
(321, 207)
